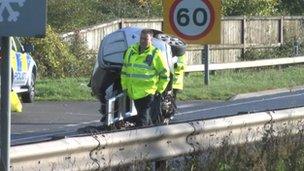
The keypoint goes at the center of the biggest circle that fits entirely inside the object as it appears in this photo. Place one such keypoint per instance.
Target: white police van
(24, 70)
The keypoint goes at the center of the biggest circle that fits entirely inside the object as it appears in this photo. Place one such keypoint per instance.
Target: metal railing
(155, 143)
(248, 64)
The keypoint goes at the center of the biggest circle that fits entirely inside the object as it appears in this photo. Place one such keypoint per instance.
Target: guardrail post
(121, 23)
(296, 47)
(5, 125)
(206, 50)
(243, 34)
(160, 165)
(281, 30)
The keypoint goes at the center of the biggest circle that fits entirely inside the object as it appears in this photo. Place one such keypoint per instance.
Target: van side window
(13, 44)
(18, 46)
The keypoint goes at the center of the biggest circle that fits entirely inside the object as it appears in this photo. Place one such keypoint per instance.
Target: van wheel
(28, 97)
(178, 47)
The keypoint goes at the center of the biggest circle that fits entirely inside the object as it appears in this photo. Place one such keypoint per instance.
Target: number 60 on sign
(195, 21)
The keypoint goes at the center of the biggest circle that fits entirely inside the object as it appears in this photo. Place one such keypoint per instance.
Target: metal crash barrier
(155, 143)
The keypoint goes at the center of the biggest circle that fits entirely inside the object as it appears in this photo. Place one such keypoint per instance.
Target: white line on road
(41, 136)
(241, 103)
(53, 134)
(78, 114)
(83, 123)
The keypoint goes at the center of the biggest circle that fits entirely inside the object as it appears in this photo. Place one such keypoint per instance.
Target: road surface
(50, 120)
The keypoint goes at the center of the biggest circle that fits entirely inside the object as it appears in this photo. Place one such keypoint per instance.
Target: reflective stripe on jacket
(144, 74)
(179, 70)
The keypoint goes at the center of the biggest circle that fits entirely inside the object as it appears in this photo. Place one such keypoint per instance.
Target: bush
(285, 50)
(84, 58)
(69, 15)
(52, 55)
(58, 59)
(249, 8)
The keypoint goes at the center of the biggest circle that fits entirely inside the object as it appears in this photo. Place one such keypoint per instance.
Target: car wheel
(28, 97)
(178, 47)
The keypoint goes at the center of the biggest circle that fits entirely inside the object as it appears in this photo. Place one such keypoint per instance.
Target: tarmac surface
(42, 121)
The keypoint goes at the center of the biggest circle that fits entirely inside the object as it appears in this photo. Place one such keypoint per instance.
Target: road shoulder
(265, 93)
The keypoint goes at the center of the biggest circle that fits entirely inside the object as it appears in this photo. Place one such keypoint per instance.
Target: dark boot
(103, 112)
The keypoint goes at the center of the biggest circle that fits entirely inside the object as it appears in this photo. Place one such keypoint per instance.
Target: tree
(249, 7)
(291, 7)
(67, 15)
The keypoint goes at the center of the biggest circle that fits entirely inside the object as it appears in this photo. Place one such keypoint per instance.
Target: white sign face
(192, 19)
(6, 5)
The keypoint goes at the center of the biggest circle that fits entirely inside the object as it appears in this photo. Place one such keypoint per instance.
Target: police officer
(144, 74)
(179, 72)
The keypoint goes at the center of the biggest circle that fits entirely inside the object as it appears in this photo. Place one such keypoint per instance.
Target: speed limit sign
(195, 21)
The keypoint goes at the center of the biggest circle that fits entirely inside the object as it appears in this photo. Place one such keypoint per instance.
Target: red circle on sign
(187, 37)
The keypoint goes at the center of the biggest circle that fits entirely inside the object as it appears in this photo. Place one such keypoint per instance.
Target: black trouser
(175, 91)
(157, 113)
(143, 107)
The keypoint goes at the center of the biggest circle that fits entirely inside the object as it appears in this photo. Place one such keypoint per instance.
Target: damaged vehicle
(116, 107)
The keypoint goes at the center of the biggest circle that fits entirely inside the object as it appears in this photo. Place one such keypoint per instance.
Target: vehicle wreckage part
(178, 47)
(119, 108)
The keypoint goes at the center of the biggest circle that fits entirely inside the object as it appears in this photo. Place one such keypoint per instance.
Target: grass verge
(223, 84)
(278, 151)
(65, 89)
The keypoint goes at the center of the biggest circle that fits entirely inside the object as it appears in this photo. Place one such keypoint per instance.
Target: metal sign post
(196, 22)
(5, 125)
(17, 18)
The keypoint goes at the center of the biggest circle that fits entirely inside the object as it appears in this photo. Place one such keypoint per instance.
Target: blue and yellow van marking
(20, 64)
(28, 57)
(13, 60)
(19, 61)
(24, 63)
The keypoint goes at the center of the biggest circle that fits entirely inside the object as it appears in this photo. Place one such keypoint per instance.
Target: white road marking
(82, 123)
(52, 134)
(78, 114)
(241, 103)
(40, 136)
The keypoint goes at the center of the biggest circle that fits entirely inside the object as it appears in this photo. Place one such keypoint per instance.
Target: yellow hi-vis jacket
(179, 70)
(144, 74)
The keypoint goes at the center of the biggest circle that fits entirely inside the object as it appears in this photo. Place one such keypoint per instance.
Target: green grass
(223, 84)
(279, 150)
(70, 89)
(226, 84)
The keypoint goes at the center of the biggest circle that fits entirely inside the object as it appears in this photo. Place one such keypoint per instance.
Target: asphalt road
(50, 120)
(42, 120)
(241, 106)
